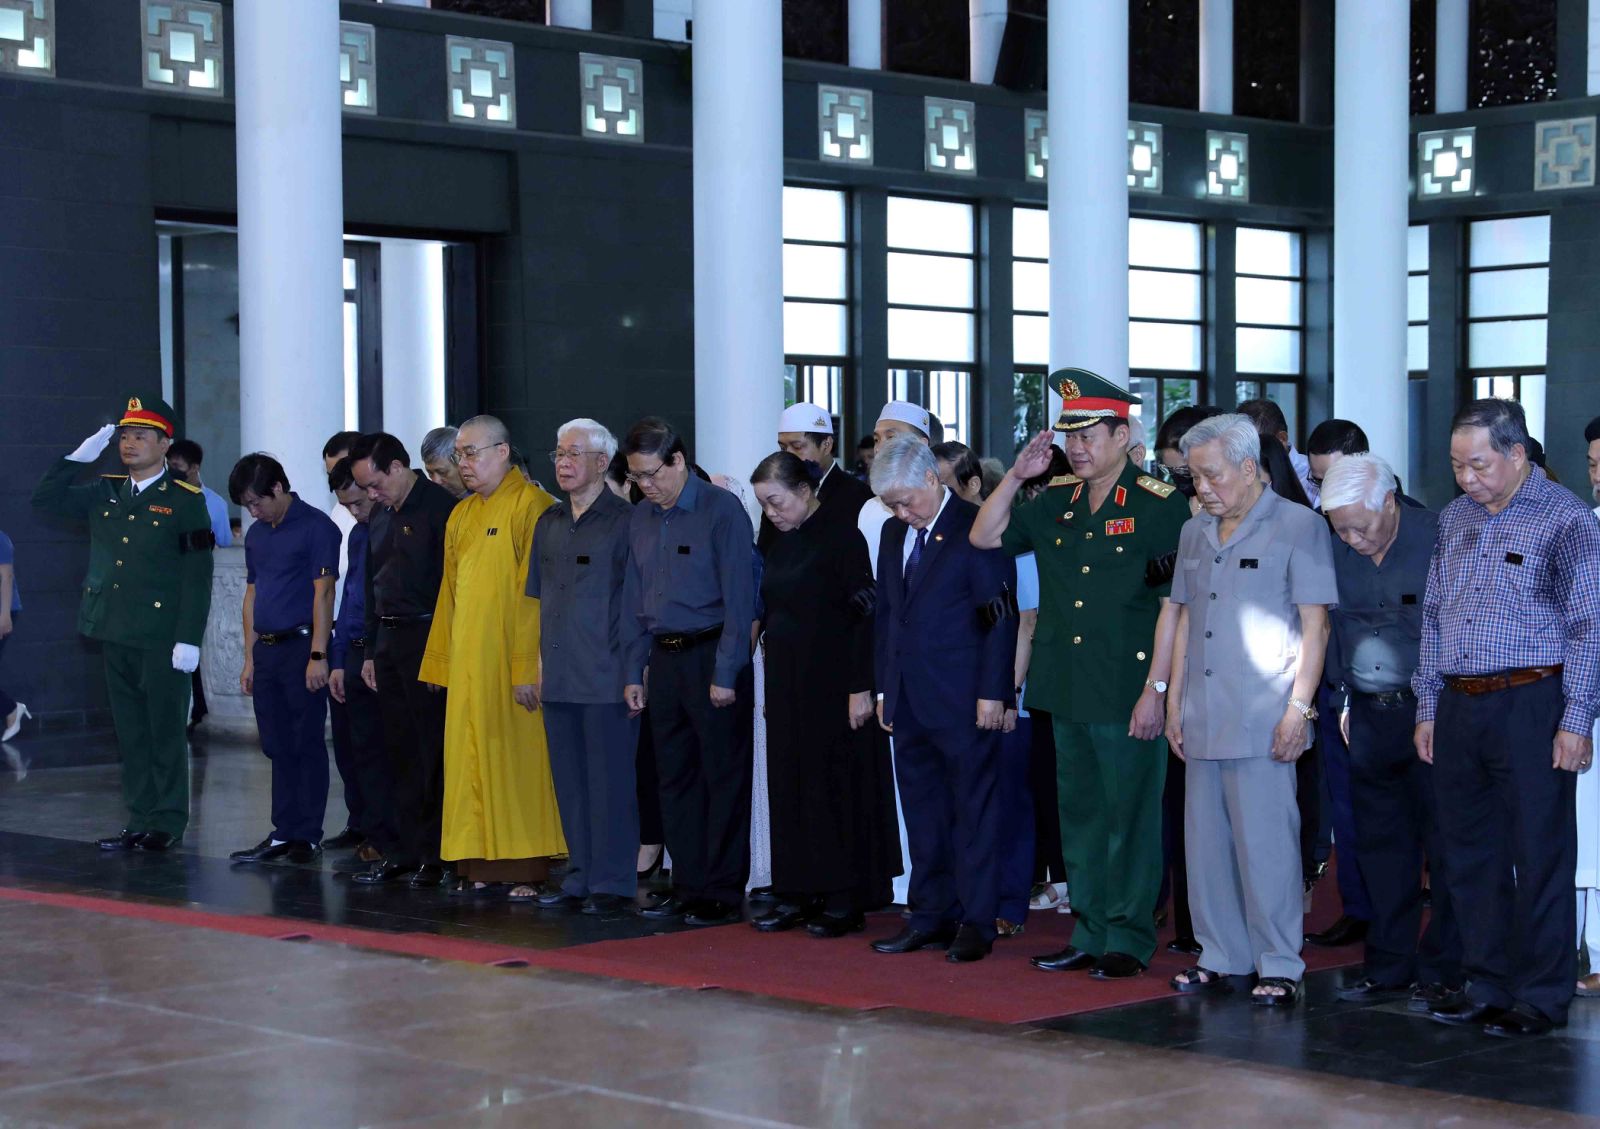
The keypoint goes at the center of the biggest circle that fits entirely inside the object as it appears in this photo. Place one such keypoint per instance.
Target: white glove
(185, 657)
(89, 450)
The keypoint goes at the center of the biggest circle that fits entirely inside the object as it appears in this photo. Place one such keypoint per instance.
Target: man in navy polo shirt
(291, 565)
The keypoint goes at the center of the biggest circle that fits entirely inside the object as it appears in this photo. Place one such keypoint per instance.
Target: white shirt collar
(139, 486)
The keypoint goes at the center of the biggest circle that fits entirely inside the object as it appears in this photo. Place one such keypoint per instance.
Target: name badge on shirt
(1408, 598)
(683, 550)
(1119, 525)
(1514, 558)
(493, 529)
(1249, 562)
(583, 560)
(325, 572)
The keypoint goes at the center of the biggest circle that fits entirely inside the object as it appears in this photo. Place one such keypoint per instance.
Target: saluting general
(145, 598)
(1104, 538)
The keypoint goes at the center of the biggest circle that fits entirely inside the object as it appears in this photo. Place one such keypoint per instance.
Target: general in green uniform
(145, 598)
(1104, 539)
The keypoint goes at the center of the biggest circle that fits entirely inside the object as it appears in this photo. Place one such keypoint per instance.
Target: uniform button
(106, 513)
(1374, 630)
(1088, 536)
(1140, 656)
(1077, 603)
(124, 540)
(1119, 548)
(158, 603)
(1077, 638)
(119, 564)
(1208, 634)
(1058, 540)
(1219, 560)
(1085, 568)
(1067, 516)
(116, 586)
(1208, 674)
(132, 517)
(1213, 595)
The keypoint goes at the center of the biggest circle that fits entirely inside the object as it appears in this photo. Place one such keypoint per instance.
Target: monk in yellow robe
(501, 824)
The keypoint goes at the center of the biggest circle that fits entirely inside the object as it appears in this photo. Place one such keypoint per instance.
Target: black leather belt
(684, 640)
(273, 638)
(393, 621)
(359, 644)
(1387, 699)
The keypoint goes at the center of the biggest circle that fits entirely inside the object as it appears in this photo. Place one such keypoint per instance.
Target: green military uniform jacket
(1101, 579)
(149, 578)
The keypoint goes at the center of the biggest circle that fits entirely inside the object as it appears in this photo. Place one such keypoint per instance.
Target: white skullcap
(906, 412)
(805, 417)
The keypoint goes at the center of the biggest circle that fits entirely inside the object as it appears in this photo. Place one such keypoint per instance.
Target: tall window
(1269, 299)
(1417, 300)
(1508, 306)
(816, 297)
(1030, 321)
(1166, 318)
(932, 302)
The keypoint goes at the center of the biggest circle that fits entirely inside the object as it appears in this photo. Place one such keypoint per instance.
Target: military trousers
(1109, 788)
(149, 707)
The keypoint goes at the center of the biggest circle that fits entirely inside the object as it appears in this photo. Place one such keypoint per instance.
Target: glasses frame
(470, 455)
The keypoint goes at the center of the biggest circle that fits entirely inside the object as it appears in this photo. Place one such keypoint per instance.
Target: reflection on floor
(188, 1026)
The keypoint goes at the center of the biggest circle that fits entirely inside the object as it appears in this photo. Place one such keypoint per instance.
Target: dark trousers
(1308, 799)
(148, 700)
(1047, 864)
(1336, 770)
(949, 783)
(197, 706)
(1395, 828)
(592, 750)
(7, 702)
(1175, 879)
(1509, 831)
(648, 785)
(703, 757)
(290, 720)
(344, 754)
(410, 809)
(1015, 822)
(365, 765)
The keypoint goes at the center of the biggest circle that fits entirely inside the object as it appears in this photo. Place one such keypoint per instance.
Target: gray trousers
(592, 749)
(1242, 834)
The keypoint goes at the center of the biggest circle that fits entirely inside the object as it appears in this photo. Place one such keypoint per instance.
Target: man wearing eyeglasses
(688, 599)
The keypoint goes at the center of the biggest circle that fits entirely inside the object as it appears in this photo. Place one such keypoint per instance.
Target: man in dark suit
(946, 637)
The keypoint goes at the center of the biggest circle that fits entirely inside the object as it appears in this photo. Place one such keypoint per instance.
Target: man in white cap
(899, 417)
(806, 432)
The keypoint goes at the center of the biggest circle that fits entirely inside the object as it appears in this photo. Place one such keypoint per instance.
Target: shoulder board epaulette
(117, 477)
(189, 486)
(1065, 480)
(1155, 486)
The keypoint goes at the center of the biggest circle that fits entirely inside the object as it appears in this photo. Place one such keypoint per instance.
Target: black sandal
(1291, 991)
(1198, 979)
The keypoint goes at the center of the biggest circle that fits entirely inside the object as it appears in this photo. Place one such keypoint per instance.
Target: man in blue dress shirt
(1506, 688)
(362, 766)
(291, 566)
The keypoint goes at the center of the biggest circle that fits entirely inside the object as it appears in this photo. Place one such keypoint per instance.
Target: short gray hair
(904, 463)
(492, 426)
(593, 433)
(1240, 439)
(1365, 479)
(1136, 435)
(1504, 419)
(438, 445)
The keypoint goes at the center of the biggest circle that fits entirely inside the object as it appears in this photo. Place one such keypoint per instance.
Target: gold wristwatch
(1308, 712)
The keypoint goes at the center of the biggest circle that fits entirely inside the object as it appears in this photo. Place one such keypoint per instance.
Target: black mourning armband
(196, 541)
(1158, 570)
(1001, 607)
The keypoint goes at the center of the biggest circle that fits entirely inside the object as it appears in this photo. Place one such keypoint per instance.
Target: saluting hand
(1034, 459)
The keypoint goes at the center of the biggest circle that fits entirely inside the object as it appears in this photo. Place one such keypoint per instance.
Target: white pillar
(578, 14)
(988, 27)
(1216, 56)
(1451, 38)
(1371, 114)
(1088, 187)
(866, 34)
(672, 19)
(291, 233)
(413, 339)
(738, 232)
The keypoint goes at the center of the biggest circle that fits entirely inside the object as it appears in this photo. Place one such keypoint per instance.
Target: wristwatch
(1308, 712)
(1158, 687)
(318, 656)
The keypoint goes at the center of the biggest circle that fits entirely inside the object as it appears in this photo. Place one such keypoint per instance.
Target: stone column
(291, 234)
(222, 648)
(738, 232)
(576, 14)
(1088, 184)
(413, 339)
(1451, 36)
(1216, 56)
(1371, 115)
(987, 22)
(866, 34)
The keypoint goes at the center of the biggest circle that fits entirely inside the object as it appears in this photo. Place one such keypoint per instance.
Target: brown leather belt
(1475, 684)
(677, 641)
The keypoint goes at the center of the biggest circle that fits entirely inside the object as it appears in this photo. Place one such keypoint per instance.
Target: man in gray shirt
(1255, 581)
(580, 554)
(1380, 558)
(688, 604)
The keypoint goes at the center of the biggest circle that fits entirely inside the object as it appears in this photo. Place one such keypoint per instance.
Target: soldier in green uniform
(1105, 538)
(145, 598)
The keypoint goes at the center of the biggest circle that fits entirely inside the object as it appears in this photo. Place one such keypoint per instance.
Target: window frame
(843, 361)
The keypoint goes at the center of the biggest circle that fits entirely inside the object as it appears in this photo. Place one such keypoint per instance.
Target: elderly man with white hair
(1255, 580)
(1381, 553)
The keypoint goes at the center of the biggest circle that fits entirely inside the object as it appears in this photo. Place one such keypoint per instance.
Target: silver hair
(1136, 435)
(593, 433)
(904, 463)
(491, 426)
(438, 445)
(1364, 479)
(1240, 439)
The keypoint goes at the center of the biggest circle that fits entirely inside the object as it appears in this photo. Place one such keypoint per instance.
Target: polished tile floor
(112, 1020)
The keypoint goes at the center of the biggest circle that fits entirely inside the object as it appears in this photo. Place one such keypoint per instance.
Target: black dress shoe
(1429, 996)
(1346, 931)
(598, 905)
(1069, 959)
(346, 840)
(428, 876)
(969, 945)
(1370, 990)
(1116, 966)
(667, 907)
(122, 841)
(157, 841)
(831, 925)
(909, 940)
(1520, 1022)
(713, 912)
(1460, 1011)
(559, 899)
(380, 872)
(264, 851)
(785, 917)
(1184, 946)
(762, 894)
(303, 852)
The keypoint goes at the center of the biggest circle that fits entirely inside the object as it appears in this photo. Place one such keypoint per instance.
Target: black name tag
(1514, 558)
(583, 560)
(1249, 562)
(492, 531)
(683, 550)
(1408, 598)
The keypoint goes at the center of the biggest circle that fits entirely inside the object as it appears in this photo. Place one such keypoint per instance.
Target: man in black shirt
(405, 566)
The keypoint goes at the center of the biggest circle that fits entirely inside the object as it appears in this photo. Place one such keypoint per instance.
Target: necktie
(916, 556)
